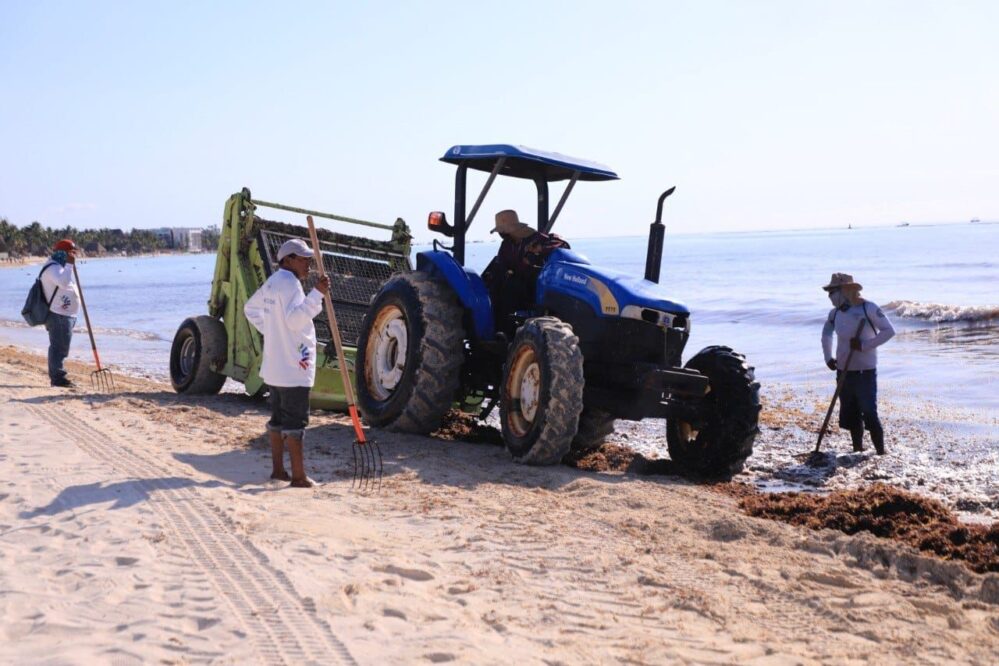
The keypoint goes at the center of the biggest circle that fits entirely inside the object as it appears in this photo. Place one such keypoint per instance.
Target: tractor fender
(467, 285)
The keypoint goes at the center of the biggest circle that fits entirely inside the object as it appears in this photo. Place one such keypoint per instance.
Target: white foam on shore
(940, 312)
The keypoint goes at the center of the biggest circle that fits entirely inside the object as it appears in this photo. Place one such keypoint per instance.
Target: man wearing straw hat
(283, 314)
(512, 276)
(858, 407)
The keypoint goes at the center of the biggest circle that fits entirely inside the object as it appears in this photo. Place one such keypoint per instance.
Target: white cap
(294, 246)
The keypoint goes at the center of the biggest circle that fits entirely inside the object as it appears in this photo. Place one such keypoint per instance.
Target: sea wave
(120, 332)
(940, 312)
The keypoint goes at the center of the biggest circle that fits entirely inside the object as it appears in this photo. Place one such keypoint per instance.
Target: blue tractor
(581, 347)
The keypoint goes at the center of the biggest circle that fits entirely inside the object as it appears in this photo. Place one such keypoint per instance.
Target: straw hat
(508, 223)
(842, 280)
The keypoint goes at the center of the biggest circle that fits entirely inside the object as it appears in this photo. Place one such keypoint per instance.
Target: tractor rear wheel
(542, 392)
(719, 445)
(595, 425)
(199, 343)
(409, 354)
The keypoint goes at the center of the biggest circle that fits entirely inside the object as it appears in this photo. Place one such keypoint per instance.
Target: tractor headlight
(657, 317)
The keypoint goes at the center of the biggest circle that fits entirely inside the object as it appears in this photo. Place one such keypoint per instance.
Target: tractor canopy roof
(524, 162)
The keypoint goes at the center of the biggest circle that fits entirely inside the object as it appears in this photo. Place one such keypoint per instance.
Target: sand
(141, 528)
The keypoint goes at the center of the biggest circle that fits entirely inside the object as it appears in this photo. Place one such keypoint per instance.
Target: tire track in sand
(284, 628)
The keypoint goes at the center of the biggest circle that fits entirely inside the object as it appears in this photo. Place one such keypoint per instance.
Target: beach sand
(140, 527)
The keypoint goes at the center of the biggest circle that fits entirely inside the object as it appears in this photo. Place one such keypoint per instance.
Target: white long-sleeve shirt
(67, 299)
(283, 314)
(877, 330)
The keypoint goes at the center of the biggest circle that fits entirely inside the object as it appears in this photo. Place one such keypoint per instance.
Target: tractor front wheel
(409, 354)
(718, 446)
(542, 392)
(199, 343)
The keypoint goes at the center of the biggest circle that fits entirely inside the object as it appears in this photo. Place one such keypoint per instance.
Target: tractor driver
(511, 277)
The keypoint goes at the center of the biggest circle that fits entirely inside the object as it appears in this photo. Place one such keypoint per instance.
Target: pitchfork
(101, 378)
(367, 454)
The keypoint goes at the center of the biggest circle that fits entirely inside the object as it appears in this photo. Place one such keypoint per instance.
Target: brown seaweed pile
(459, 426)
(887, 512)
(607, 458)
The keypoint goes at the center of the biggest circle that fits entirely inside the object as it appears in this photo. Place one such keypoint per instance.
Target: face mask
(838, 300)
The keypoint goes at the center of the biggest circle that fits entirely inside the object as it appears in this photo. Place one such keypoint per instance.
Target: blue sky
(765, 115)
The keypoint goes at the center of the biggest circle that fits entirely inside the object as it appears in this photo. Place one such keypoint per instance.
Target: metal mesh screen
(357, 268)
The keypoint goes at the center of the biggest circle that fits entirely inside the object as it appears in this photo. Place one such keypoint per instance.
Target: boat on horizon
(904, 224)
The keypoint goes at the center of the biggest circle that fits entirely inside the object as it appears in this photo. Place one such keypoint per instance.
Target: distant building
(187, 239)
(179, 238)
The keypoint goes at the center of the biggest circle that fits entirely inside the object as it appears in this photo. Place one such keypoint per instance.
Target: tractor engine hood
(607, 291)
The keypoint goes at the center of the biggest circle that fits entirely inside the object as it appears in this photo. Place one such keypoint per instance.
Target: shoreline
(146, 526)
(37, 261)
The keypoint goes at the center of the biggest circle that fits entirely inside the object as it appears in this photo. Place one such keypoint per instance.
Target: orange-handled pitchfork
(366, 464)
(101, 378)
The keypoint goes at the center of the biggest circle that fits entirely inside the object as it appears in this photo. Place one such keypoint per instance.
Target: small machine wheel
(719, 446)
(409, 354)
(199, 343)
(542, 392)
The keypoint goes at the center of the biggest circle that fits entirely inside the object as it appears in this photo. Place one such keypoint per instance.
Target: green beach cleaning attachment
(208, 348)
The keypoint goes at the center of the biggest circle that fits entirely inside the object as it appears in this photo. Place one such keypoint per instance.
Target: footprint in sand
(439, 657)
(411, 574)
(392, 612)
(125, 561)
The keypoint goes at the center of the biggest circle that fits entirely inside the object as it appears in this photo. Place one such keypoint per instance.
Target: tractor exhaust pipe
(654, 258)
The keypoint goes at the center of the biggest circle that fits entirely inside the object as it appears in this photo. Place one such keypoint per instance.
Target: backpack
(36, 308)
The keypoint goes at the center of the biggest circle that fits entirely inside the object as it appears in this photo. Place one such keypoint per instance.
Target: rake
(366, 453)
(839, 389)
(101, 379)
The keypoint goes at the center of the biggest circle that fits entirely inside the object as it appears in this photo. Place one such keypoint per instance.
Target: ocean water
(759, 293)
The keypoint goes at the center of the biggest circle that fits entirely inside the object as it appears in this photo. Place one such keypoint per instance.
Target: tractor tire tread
(436, 376)
(722, 448)
(564, 360)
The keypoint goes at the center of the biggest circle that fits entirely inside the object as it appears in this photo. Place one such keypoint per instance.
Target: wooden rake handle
(86, 317)
(839, 389)
(348, 388)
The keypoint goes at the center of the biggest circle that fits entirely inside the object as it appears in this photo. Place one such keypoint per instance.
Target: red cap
(65, 244)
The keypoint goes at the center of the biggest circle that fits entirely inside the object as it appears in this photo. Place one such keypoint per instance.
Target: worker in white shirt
(283, 314)
(59, 286)
(858, 407)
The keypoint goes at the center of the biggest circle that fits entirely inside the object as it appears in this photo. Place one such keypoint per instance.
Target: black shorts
(289, 410)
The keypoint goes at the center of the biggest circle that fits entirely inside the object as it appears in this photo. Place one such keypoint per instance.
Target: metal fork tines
(102, 380)
(368, 465)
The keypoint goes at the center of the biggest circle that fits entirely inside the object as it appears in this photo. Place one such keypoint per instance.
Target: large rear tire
(542, 393)
(720, 447)
(409, 354)
(199, 343)
(595, 425)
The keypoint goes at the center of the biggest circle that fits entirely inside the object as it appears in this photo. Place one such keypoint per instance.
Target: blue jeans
(60, 328)
(858, 406)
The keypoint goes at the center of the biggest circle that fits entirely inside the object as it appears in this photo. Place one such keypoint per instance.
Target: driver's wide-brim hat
(841, 280)
(508, 223)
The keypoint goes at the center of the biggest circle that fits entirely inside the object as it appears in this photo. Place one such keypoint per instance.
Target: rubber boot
(857, 434)
(298, 477)
(878, 437)
(277, 456)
